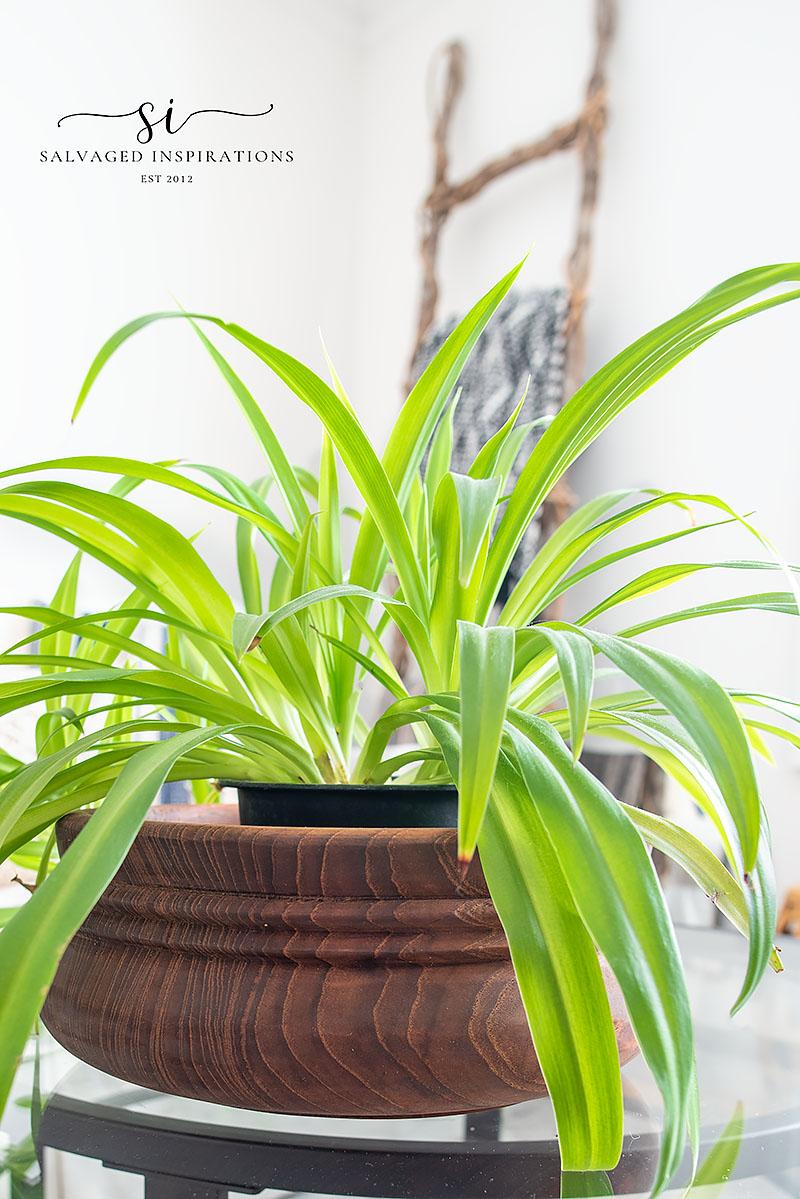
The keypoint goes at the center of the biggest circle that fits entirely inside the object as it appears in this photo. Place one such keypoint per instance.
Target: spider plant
(275, 691)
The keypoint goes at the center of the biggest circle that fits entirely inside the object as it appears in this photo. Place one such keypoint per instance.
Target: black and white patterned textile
(525, 337)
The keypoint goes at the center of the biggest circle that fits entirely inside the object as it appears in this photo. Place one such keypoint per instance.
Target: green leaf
(477, 500)
(701, 865)
(160, 556)
(273, 450)
(329, 523)
(60, 644)
(295, 675)
(485, 660)
(562, 989)
(246, 505)
(247, 564)
(681, 759)
(95, 626)
(280, 584)
(612, 389)
(302, 568)
(782, 602)
(664, 576)
(590, 1185)
(441, 451)
(248, 629)
(420, 413)
(510, 452)
(388, 679)
(718, 1166)
(389, 767)
(25, 787)
(115, 341)
(563, 992)
(448, 602)
(565, 545)
(707, 713)
(51, 727)
(485, 464)
(336, 382)
(64, 600)
(617, 894)
(33, 942)
(9, 765)
(405, 711)
(576, 666)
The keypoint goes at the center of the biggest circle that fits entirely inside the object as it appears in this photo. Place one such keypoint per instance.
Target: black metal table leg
(165, 1186)
(482, 1126)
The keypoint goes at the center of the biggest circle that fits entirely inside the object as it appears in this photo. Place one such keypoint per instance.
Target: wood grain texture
(340, 972)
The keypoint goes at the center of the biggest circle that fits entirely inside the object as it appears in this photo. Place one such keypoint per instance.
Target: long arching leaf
(486, 658)
(616, 892)
(612, 388)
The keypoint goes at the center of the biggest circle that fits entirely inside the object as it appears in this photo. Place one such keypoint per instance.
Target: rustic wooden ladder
(584, 133)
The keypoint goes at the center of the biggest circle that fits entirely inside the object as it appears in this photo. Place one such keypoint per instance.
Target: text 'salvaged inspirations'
(148, 125)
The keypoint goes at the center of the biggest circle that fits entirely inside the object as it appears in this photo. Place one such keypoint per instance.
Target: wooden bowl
(333, 972)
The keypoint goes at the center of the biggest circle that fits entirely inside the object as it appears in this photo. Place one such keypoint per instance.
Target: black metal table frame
(182, 1160)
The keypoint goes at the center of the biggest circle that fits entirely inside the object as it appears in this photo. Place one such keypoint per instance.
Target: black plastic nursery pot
(308, 805)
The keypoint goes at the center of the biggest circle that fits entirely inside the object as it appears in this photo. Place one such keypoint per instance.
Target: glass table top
(753, 1058)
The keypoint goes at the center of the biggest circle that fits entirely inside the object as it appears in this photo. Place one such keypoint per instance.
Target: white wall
(700, 181)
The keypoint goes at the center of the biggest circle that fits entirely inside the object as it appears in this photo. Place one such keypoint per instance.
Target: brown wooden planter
(338, 972)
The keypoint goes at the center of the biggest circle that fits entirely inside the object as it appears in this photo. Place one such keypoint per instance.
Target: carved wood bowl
(334, 972)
